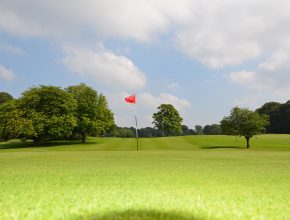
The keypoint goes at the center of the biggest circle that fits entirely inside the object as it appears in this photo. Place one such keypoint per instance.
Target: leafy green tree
(130, 132)
(167, 120)
(125, 132)
(92, 113)
(285, 117)
(198, 129)
(50, 109)
(206, 129)
(279, 116)
(12, 123)
(273, 109)
(5, 97)
(244, 122)
(105, 116)
(146, 132)
(191, 132)
(185, 130)
(213, 129)
(149, 132)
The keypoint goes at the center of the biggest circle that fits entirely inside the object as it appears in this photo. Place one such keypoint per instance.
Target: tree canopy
(5, 97)
(50, 109)
(213, 129)
(279, 117)
(198, 129)
(12, 122)
(92, 112)
(244, 122)
(48, 113)
(167, 120)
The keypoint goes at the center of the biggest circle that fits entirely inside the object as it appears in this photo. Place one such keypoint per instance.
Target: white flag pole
(136, 123)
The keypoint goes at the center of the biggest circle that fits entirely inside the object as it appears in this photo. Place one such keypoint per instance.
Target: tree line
(167, 122)
(46, 113)
(129, 132)
(279, 117)
(241, 122)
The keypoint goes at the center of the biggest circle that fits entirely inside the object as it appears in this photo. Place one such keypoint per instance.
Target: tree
(105, 116)
(185, 130)
(279, 116)
(206, 129)
(198, 129)
(213, 129)
(12, 123)
(244, 122)
(50, 110)
(125, 132)
(5, 97)
(285, 117)
(92, 113)
(167, 120)
(146, 132)
(191, 132)
(276, 122)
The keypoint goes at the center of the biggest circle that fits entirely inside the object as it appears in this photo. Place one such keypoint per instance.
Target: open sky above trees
(204, 57)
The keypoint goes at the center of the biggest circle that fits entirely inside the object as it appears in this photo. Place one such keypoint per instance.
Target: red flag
(131, 99)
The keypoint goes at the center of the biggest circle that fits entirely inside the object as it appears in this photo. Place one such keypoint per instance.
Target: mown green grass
(197, 177)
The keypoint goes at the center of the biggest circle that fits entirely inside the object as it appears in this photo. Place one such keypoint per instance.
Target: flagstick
(136, 127)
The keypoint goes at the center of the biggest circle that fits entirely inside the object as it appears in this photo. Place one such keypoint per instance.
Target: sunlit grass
(170, 178)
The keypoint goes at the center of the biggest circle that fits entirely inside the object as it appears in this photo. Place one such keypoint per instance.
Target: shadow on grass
(221, 147)
(30, 144)
(15, 144)
(139, 215)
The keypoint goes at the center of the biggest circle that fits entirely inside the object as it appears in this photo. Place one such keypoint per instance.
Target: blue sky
(204, 57)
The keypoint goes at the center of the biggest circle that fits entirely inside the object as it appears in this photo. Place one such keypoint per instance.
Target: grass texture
(196, 177)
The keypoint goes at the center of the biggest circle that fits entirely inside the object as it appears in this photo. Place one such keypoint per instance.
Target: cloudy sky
(202, 56)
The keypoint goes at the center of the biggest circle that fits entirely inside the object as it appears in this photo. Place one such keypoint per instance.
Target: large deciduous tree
(167, 120)
(105, 117)
(50, 109)
(92, 113)
(185, 130)
(244, 122)
(279, 116)
(12, 123)
(198, 129)
(5, 97)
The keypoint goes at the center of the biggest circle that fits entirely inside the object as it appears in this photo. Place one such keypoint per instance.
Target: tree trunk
(84, 137)
(248, 142)
(36, 141)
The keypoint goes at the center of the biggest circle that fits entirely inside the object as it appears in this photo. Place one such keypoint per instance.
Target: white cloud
(102, 65)
(248, 101)
(6, 74)
(230, 32)
(216, 33)
(216, 50)
(251, 79)
(148, 100)
(139, 20)
(274, 62)
(243, 77)
(14, 23)
(263, 83)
